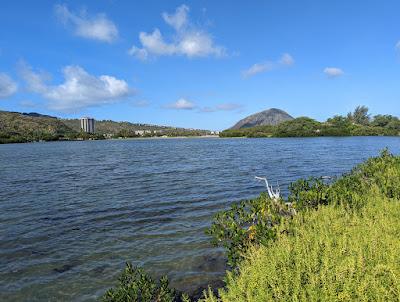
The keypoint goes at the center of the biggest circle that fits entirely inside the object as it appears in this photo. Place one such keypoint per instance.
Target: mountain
(271, 116)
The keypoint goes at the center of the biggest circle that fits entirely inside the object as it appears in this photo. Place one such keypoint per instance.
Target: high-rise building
(87, 124)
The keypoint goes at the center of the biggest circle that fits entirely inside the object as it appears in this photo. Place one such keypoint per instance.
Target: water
(72, 213)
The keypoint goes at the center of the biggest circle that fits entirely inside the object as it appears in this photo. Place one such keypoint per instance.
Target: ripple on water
(72, 213)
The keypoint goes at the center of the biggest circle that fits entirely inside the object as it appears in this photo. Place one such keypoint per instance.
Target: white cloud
(285, 60)
(92, 27)
(222, 107)
(197, 43)
(179, 19)
(7, 86)
(188, 40)
(139, 53)
(333, 72)
(182, 104)
(154, 44)
(257, 68)
(398, 45)
(79, 89)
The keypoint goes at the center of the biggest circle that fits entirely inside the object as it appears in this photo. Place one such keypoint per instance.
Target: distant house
(87, 125)
(139, 132)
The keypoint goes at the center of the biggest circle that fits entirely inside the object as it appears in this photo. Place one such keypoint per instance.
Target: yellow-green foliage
(342, 246)
(255, 221)
(331, 254)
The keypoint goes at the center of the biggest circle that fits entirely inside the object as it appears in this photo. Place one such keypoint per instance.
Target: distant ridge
(16, 127)
(271, 116)
(35, 114)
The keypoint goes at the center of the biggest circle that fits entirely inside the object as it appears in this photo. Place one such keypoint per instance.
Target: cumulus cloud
(97, 27)
(7, 86)
(285, 60)
(79, 89)
(188, 39)
(139, 53)
(333, 72)
(398, 45)
(182, 104)
(179, 19)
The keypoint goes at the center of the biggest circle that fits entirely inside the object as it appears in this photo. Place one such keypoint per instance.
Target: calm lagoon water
(72, 213)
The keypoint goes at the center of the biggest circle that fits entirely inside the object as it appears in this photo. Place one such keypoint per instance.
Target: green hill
(17, 127)
(127, 129)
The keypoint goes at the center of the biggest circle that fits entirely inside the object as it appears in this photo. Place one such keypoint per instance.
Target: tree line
(356, 123)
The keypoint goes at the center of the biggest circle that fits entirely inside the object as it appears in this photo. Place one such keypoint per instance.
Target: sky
(199, 64)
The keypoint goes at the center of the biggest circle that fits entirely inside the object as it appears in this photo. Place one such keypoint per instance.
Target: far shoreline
(194, 137)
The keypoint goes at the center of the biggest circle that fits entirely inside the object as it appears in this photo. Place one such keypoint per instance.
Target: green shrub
(248, 222)
(254, 221)
(326, 255)
(308, 193)
(343, 245)
(136, 286)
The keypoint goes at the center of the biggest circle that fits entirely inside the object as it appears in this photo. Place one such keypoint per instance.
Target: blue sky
(200, 64)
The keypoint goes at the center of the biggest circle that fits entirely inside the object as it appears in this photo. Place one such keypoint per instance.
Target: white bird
(273, 195)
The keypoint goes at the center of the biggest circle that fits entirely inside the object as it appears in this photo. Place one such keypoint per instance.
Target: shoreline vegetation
(357, 123)
(18, 127)
(327, 241)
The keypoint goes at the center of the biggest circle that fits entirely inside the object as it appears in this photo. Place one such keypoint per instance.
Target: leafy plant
(255, 222)
(246, 223)
(328, 255)
(136, 286)
(342, 246)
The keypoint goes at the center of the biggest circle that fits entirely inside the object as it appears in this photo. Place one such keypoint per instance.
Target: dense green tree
(383, 120)
(134, 285)
(394, 126)
(355, 124)
(338, 121)
(302, 126)
(360, 115)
